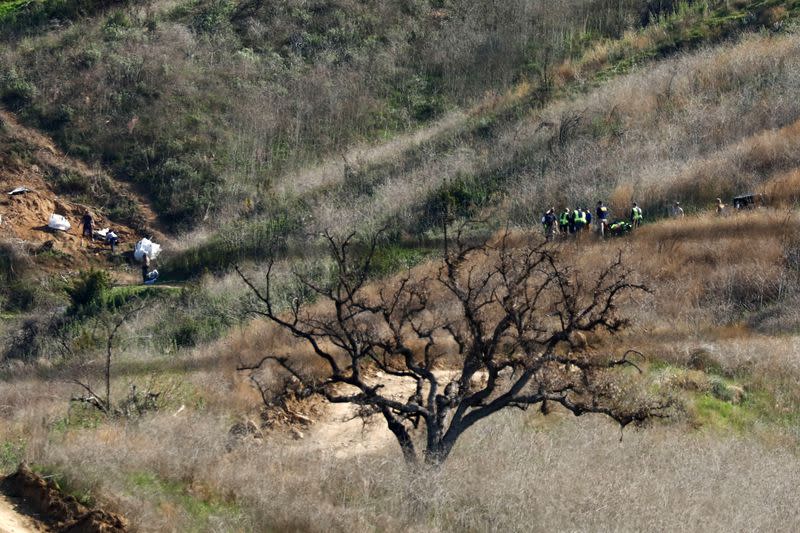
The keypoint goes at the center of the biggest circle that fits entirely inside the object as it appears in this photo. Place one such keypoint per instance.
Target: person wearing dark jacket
(550, 223)
(88, 225)
(602, 218)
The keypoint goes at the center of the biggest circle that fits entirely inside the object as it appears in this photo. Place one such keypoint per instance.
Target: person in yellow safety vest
(563, 221)
(580, 219)
(636, 216)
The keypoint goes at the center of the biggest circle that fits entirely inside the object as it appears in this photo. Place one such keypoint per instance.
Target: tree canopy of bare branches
(493, 325)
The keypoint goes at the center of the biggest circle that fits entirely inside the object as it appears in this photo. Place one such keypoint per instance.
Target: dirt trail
(13, 522)
(343, 433)
(332, 170)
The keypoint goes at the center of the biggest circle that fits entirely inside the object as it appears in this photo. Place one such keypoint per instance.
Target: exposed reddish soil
(24, 217)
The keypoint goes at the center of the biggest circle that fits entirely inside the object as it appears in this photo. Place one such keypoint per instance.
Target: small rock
(297, 434)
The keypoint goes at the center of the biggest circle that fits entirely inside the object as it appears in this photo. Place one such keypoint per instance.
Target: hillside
(61, 185)
(243, 135)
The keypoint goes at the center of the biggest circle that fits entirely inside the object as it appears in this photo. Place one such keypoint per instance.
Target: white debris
(59, 222)
(145, 246)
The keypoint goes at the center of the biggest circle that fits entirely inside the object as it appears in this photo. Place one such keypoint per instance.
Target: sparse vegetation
(253, 128)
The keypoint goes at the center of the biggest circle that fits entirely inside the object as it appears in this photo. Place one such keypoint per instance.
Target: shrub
(703, 359)
(88, 291)
(13, 262)
(70, 182)
(27, 16)
(391, 258)
(15, 91)
(21, 296)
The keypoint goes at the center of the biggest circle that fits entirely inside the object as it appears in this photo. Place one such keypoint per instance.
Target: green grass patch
(234, 243)
(12, 452)
(9, 7)
(711, 412)
(66, 485)
(397, 257)
(19, 16)
(200, 509)
(80, 416)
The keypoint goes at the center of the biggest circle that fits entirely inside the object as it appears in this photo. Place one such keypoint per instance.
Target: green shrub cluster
(24, 16)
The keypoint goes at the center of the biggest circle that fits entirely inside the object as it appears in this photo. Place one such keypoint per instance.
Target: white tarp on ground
(145, 246)
(59, 222)
(19, 190)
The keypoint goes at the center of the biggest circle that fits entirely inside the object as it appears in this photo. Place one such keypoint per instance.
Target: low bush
(88, 291)
(24, 16)
(21, 296)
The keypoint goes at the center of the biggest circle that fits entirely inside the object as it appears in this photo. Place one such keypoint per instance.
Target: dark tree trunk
(402, 436)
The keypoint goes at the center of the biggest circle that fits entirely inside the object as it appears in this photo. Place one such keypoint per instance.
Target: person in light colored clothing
(720, 207)
(145, 267)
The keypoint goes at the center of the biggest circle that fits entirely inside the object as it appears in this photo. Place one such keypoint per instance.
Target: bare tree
(106, 404)
(493, 326)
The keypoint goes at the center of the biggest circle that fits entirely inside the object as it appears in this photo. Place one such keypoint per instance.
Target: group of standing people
(580, 219)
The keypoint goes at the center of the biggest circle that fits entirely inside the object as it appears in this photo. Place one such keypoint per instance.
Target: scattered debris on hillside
(35, 179)
(61, 513)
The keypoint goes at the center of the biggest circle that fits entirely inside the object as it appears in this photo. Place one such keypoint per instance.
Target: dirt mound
(61, 513)
(31, 160)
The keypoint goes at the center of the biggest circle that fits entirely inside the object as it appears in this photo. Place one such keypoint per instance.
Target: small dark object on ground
(748, 201)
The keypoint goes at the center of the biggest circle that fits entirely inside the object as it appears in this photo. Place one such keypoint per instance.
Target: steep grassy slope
(252, 89)
(688, 108)
(696, 126)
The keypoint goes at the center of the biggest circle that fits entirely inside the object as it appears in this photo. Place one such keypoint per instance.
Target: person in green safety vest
(580, 219)
(563, 222)
(636, 216)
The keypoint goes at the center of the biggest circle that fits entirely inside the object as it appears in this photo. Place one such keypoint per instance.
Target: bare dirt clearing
(13, 522)
(341, 431)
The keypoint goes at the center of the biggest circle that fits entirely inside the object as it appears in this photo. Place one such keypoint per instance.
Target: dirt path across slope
(13, 522)
(332, 170)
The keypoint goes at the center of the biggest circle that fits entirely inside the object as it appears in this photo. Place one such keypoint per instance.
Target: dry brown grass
(669, 477)
(714, 123)
(571, 476)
